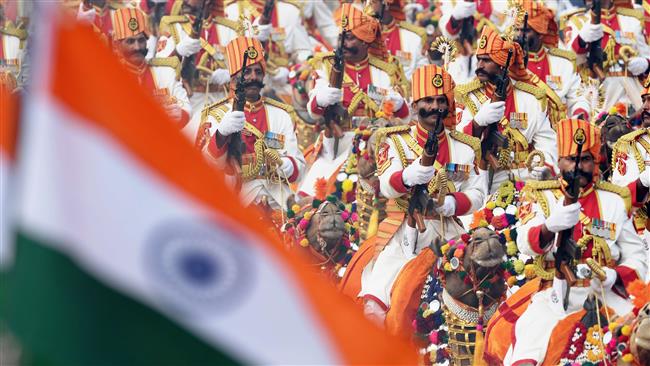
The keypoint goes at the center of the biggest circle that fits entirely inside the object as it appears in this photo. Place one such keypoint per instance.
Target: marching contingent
(472, 174)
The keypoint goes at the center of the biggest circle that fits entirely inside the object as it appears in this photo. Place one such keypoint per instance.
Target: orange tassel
(320, 189)
(640, 292)
(388, 107)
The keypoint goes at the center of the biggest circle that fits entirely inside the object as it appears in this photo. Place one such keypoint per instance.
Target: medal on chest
(601, 228)
(519, 120)
(457, 172)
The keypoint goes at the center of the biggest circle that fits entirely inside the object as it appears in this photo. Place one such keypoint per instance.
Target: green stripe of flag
(65, 316)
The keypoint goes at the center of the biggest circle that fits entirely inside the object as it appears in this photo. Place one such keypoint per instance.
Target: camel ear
(436, 245)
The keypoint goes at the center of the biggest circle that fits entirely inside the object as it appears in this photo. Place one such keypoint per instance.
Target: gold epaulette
(16, 31)
(468, 140)
(319, 58)
(536, 91)
(226, 22)
(384, 132)
(627, 144)
(571, 56)
(634, 13)
(540, 185)
(568, 15)
(534, 190)
(172, 62)
(387, 67)
(216, 109)
(166, 25)
(285, 107)
(171, 19)
(463, 91)
(623, 192)
(415, 29)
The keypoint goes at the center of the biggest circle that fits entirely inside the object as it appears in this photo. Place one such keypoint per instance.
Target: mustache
(423, 113)
(351, 49)
(256, 83)
(482, 71)
(142, 52)
(568, 176)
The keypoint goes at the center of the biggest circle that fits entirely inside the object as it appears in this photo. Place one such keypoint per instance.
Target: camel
(468, 271)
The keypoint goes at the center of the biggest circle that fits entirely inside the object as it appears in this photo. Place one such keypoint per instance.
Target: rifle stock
(188, 64)
(492, 140)
(567, 250)
(420, 199)
(335, 113)
(235, 143)
(595, 59)
(267, 12)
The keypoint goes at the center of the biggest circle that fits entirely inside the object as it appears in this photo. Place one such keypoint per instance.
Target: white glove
(417, 174)
(231, 122)
(396, 98)
(409, 241)
(174, 111)
(281, 75)
(86, 16)
(188, 46)
(591, 32)
(463, 9)
(490, 113)
(326, 96)
(563, 217)
(448, 208)
(644, 177)
(263, 32)
(286, 169)
(220, 77)
(608, 283)
(637, 65)
(413, 7)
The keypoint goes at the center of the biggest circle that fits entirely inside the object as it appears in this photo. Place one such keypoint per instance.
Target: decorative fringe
(320, 189)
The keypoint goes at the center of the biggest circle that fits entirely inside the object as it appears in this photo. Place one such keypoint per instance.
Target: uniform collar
(422, 134)
(538, 56)
(358, 65)
(254, 107)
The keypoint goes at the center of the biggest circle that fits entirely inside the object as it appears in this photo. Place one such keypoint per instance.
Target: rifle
(420, 201)
(523, 39)
(235, 143)
(335, 113)
(188, 64)
(267, 12)
(595, 59)
(492, 140)
(567, 249)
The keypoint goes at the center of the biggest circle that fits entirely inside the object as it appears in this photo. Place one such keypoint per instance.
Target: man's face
(486, 69)
(133, 49)
(533, 39)
(645, 114)
(253, 77)
(354, 49)
(586, 167)
(191, 7)
(429, 108)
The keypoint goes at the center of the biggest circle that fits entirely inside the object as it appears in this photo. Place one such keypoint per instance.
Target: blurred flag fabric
(131, 250)
(8, 125)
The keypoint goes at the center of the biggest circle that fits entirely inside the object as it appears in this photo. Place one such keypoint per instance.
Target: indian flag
(131, 250)
(8, 124)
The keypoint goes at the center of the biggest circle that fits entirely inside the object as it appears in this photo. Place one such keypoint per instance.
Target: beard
(568, 176)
